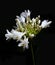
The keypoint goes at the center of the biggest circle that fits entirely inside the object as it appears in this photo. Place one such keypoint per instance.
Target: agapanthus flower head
(27, 28)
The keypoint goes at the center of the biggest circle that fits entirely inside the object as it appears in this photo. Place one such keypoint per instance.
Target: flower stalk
(33, 59)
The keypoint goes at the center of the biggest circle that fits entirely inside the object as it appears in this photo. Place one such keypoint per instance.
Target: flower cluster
(26, 28)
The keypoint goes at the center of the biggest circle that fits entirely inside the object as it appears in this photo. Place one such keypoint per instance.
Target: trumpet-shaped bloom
(17, 35)
(45, 24)
(24, 43)
(26, 13)
(21, 19)
(8, 35)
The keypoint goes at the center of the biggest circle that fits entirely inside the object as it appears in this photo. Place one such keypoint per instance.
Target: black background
(44, 43)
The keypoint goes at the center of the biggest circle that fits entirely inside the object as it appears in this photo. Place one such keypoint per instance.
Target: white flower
(45, 23)
(8, 35)
(25, 14)
(17, 35)
(28, 12)
(24, 43)
(21, 19)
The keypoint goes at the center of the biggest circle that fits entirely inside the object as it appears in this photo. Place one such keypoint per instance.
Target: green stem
(32, 55)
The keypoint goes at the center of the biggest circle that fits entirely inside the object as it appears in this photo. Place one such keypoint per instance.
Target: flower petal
(25, 14)
(17, 35)
(8, 35)
(24, 43)
(45, 24)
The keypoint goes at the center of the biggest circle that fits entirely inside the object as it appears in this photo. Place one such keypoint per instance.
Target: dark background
(44, 43)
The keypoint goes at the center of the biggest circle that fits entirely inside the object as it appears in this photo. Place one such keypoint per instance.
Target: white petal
(25, 14)
(17, 35)
(45, 24)
(8, 35)
(28, 13)
(22, 19)
(24, 43)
